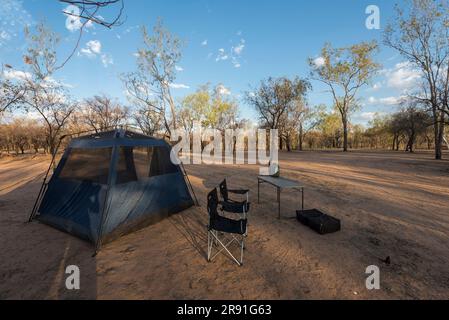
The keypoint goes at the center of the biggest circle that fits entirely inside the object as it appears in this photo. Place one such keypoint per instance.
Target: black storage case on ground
(318, 221)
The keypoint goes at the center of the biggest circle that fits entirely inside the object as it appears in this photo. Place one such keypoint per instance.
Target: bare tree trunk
(300, 137)
(288, 143)
(410, 143)
(345, 134)
(439, 137)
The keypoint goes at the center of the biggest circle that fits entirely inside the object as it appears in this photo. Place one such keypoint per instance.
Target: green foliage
(209, 107)
(277, 97)
(41, 51)
(345, 71)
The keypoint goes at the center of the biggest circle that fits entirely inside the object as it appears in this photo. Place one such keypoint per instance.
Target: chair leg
(216, 238)
(241, 251)
(224, 247)
(209, 245)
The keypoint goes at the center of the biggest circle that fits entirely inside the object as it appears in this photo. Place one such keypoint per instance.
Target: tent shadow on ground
(38, 272)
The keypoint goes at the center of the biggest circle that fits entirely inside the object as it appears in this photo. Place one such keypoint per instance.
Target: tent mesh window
(87, 165)
(139, 163)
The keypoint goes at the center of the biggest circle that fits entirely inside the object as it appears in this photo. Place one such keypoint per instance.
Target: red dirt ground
(390, 204)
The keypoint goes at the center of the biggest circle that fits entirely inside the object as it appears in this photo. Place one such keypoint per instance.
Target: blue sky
(234, 43)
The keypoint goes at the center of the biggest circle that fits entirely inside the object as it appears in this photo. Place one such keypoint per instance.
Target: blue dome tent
(112, 183)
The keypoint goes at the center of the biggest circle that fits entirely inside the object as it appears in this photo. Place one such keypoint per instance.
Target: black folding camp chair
(230, 230)
(231, 205)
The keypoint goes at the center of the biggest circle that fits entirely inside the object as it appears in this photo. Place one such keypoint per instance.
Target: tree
(82, 13)
(211, 108)
(292, 124)
(196, 107)
(20, 138)
(148, 121)
(308, 121)
(378, 134)
(102, 112)
(45, 95)
(11, 92)
(421, 35)
(280, 103)
(412, 122)
(274, 96)
(330, 128)
(150, 86)
(345, 71)
(89, 10)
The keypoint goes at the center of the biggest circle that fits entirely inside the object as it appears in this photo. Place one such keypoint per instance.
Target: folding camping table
(280, 183)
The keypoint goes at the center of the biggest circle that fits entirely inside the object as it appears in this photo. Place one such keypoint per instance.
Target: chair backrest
(224, 190)
(212, 203)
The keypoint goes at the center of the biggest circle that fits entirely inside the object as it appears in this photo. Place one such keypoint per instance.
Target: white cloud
(51, 82)
(367, 116)
(221, 89)
(319, 62)
(370, 115)
(178, 68)
(92, 49)
(106, 59)
(372, 100)
(222, 56)
(377, 86)
(94, 45)
(16, 75)
(238, 50)
(13, 18)
(389, 101)
(179, 86)
(233, 54)
(204, 43)
(5, 35)
(402, 76)
(236, 62)
(73, 21)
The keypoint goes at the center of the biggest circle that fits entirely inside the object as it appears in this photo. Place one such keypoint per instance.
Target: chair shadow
(193, 226)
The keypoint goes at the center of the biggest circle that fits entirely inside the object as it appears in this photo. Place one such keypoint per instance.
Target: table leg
(279, 202)
(258, 192)
(302, 198)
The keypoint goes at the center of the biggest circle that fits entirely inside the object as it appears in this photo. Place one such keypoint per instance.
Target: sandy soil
(390, 204)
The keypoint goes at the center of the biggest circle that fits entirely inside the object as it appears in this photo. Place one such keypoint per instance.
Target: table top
(281, 182)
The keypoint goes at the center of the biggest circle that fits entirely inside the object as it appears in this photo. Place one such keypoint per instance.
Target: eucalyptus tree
(344, 71)
(420, 33)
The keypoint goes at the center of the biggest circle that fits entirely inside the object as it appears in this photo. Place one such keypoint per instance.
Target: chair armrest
(235, 207)
(238, 191)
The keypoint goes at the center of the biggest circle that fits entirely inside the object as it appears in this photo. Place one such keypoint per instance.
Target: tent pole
(44, 183)
(186, 176)
(43, 186)
(104, 212)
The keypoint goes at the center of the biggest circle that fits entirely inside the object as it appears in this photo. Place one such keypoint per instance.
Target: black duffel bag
(318, 221)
